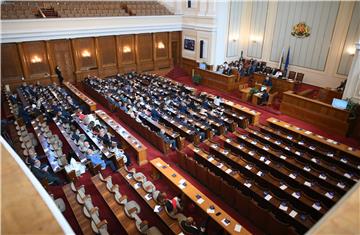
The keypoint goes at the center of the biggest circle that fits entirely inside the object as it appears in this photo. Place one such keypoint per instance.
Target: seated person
(220, 69)
(41, 172)
(217, 101)
(264, 98)
(155, 114)
(189, 226)
(119, 153)
(161, 198)
(278, 74)
(173, 206)
(172, 142)
(95, 158)
(267, 81)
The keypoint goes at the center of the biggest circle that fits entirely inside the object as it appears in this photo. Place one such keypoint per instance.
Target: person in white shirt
(278, 74)
(119, 153)
(217, 101)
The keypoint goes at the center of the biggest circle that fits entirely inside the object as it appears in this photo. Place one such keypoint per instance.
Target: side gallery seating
(51, 9)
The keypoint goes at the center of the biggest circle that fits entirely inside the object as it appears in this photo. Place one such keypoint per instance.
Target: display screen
(340, 104)
(189, 44)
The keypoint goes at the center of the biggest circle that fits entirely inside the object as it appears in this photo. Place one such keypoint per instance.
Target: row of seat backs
(245, 205)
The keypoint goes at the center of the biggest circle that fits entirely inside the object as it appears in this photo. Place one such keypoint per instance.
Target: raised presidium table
(138, 147)
(229, 224)
(278, 84)
(318, 113)
(89, 102)
(219, 81)
(339, 147)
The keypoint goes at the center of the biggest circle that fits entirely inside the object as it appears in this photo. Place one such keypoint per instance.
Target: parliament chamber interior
(180, 117)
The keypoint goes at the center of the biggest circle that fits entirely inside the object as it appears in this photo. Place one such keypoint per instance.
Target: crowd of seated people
(243, 66)
(153, 96)
(42, 106)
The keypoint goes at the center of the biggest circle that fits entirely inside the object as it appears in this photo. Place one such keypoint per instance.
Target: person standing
(58, 73)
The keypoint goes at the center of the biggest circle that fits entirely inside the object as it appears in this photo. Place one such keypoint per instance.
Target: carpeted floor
(191, 210)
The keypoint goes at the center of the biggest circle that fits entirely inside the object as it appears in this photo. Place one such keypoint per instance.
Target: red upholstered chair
(292, 75)
(203, 175)
(242, 203)
(275, 226)
(181, 159)
(227, 192)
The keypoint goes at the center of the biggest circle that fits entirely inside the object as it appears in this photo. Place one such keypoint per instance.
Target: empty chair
(88, 206)
(292, 75)
(299, 77)
(132, 170)
(98, 226)
(72, 186)
(110, 186)
(139, 177)
(132, 208)
(149, 187)
(121, 199)
(80, 197)
(143, 227)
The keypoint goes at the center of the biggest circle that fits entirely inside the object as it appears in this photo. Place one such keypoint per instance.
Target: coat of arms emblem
(301, 30)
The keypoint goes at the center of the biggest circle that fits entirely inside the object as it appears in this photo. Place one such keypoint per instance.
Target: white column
(352, 88)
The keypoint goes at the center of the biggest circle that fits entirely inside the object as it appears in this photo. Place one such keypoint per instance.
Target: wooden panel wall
(10, 63)
(61, 55)
(80, 57)
(126, 53)
(144, 52)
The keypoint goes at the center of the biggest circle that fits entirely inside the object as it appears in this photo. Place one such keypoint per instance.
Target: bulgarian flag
(281, 59)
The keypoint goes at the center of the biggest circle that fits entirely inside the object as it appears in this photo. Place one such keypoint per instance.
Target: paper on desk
(284, 208)
(283, 187)
(158, 164)
(210, 159)
(200, 200)
(157, 208)
(228, 171)
(267, 162)
(282, 157)
(237, 228)
(224, 222)
(210, 211)
(148, 196)
(306, 183)
(128, 176)
(293, 213)
(268, 197)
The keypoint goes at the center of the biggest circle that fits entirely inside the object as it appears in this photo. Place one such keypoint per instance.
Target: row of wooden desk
(338, 147)
(229, 224)
(242, 179)
(81, 96)
(139, 148)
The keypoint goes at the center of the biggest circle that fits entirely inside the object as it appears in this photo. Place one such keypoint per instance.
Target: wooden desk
(52, 159)
(255, 188)
(278, 84)
(318, 138)
(138, 147)
(318, 113)
(245, 94)
(77, 209)
(81, 96)
(217, 81)
(119, 212)
(255, 98)
(92, 137)
(306, 169)
(171, 223)
(314, 190)
(274, 142)
(251, 114)
(191, 192)
(81, 157)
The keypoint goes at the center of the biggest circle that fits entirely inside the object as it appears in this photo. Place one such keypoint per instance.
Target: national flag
(287, 62)
(281, 58)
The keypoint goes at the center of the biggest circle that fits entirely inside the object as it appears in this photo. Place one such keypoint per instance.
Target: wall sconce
(36, 59)
(351, 51)
(85, 53)
(255, 39)
(126, 49)
(161, 45)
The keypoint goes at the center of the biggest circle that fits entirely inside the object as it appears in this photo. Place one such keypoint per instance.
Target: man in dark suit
(41, 172)
(58, 73)
(189, 226)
